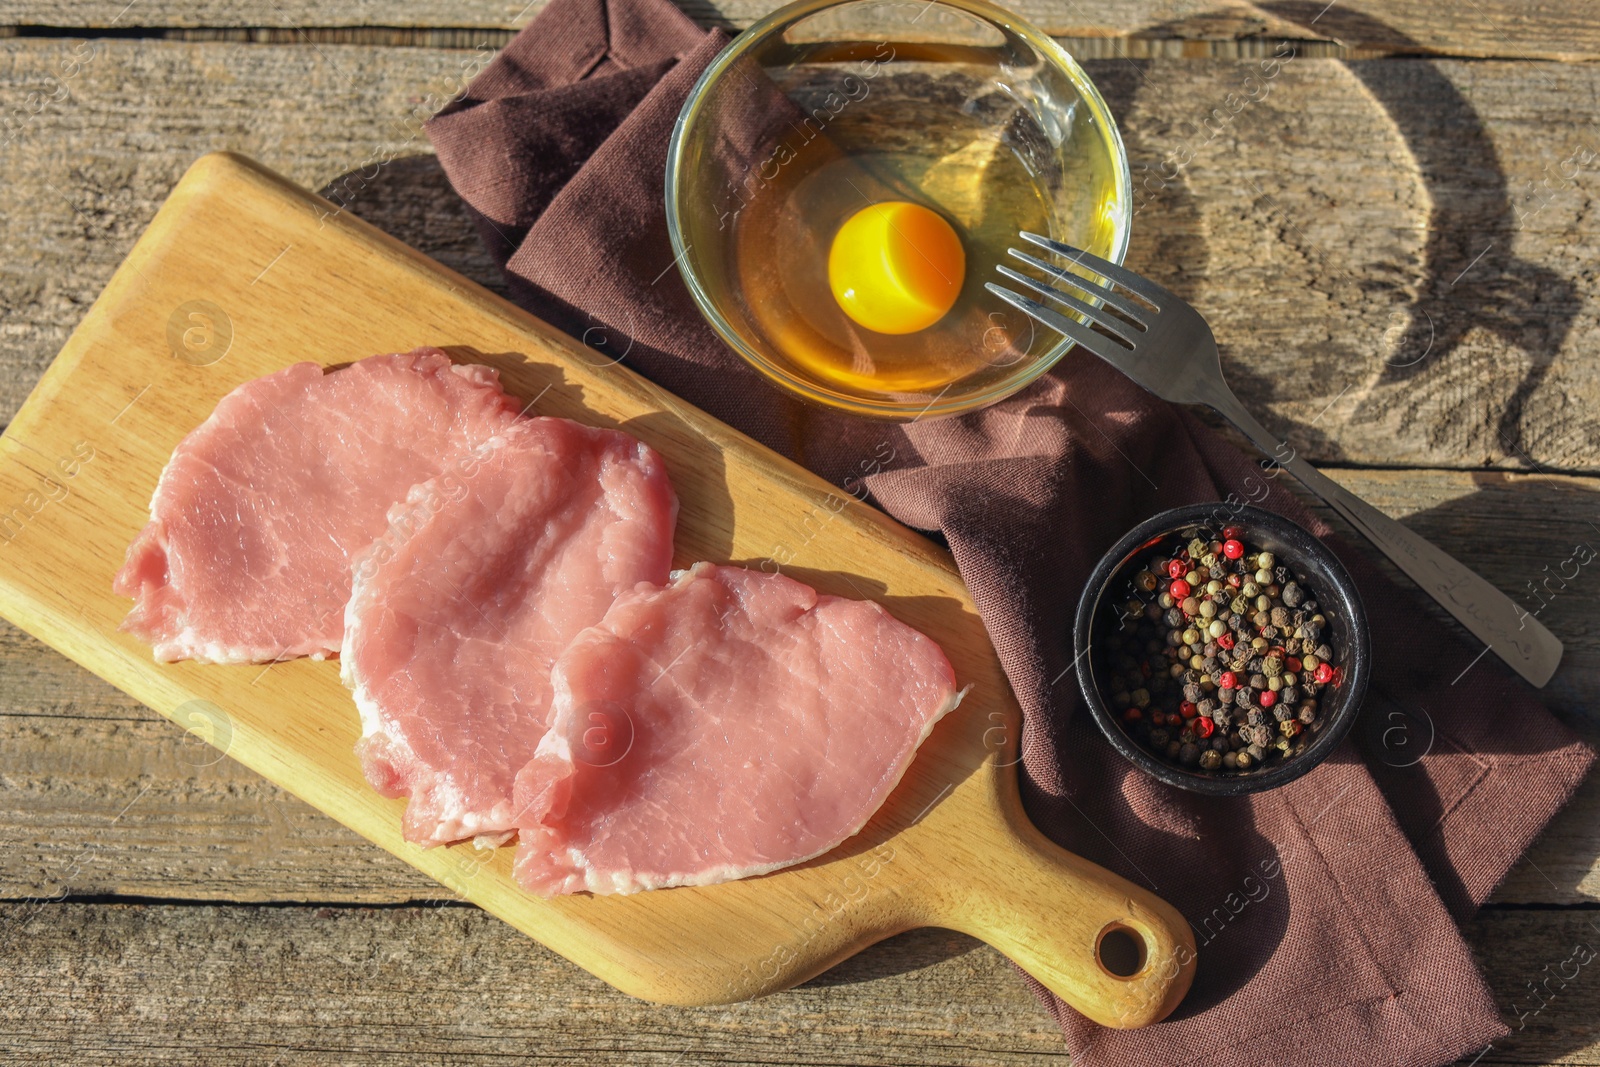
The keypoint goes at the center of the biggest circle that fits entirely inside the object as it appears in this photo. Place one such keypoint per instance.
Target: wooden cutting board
(242, 273)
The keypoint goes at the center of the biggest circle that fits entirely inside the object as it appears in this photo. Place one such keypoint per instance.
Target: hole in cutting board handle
(1121, 951)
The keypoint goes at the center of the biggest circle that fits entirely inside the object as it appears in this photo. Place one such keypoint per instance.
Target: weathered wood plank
(1392, 292)
(1524, 954)
(134, 806)
(290, 986)
(200, 828)
(1565, 29)
(252, 985)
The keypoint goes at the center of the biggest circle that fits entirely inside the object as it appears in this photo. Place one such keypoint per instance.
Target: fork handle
(1510, 632)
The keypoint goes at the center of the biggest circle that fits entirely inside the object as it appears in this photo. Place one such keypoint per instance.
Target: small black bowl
(1311, 562)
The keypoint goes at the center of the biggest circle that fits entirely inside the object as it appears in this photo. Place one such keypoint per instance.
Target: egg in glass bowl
(845, 177)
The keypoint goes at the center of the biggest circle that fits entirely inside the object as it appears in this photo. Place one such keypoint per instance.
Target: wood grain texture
(1555, 29)
(80, 460)
(424, 985)
(454, 986)
(1411, 291)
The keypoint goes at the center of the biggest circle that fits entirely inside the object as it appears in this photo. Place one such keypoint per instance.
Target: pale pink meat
(727, 725)
(460, 609)
(254, 522)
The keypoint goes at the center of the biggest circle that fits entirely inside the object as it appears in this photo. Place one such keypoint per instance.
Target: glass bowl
(824, 107)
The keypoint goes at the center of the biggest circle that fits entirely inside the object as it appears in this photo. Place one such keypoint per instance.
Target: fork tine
(1098, 343)
(1106, 269)
(1101, 292)
(1088, 311)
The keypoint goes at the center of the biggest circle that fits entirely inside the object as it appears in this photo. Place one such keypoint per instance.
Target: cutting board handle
(1111, 949)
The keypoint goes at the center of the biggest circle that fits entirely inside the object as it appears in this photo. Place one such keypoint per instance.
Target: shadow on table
(1473, 281)
(904, 953)
(410, 199)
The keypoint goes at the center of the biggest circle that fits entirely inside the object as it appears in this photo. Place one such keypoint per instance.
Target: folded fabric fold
(1323, 911)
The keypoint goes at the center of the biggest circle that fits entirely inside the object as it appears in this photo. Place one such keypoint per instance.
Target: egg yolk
(896, 267)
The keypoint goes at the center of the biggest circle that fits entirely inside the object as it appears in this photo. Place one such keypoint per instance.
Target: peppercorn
(1207, 635)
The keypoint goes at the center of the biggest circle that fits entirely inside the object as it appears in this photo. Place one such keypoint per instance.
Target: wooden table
(1393, 233)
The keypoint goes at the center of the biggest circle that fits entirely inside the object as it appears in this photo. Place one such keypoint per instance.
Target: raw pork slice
(254, 522)
(727, 725)
(461, 608)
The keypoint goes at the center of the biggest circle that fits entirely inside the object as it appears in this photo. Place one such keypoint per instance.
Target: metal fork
(1169, 350)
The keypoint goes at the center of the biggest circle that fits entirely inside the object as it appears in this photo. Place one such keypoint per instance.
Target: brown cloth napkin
(1324, 911)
